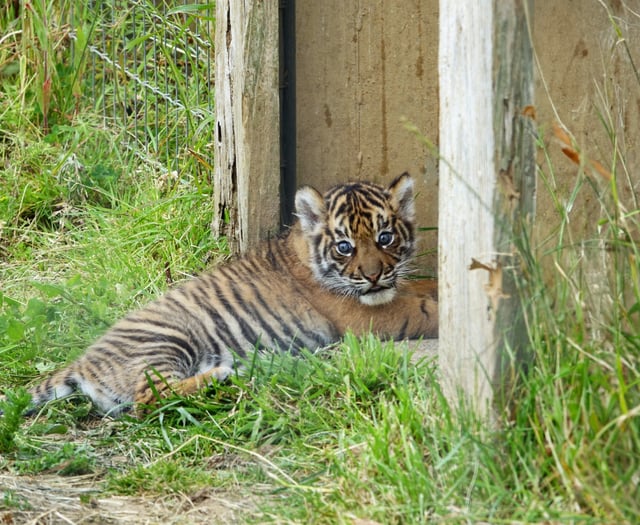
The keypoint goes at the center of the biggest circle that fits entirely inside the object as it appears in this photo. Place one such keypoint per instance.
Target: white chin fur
(378, 298)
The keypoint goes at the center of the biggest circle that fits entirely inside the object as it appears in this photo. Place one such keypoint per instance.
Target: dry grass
(52, 498)
(76, 499)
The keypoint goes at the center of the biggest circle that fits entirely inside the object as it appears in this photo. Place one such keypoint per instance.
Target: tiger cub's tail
(59, 385)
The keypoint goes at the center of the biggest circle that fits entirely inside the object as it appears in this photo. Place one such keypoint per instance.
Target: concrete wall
(365, 69)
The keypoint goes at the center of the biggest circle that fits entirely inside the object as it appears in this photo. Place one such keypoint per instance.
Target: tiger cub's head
(360, 236)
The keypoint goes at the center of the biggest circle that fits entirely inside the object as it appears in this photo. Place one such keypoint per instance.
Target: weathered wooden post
(487, 187)
(247, 150)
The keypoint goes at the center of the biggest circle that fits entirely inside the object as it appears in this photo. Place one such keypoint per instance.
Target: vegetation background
(105, 201)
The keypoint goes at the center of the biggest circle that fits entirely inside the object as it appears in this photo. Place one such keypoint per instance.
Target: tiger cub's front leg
(418, 301)
(412, 314)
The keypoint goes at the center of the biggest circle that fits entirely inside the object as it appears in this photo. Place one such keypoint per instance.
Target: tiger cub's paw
(149, 396)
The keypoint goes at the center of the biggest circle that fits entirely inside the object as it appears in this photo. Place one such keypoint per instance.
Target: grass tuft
(11, 409)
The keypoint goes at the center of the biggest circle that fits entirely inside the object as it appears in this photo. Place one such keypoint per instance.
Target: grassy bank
(359, 434)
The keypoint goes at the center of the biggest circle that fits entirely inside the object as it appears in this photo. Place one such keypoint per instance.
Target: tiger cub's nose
(372, 274)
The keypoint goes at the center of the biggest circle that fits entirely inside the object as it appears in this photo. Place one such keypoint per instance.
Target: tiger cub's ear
(310, 208)
(401, 190)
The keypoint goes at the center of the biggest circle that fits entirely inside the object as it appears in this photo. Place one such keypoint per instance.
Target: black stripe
(202, 335)
(302, 330)
(161, 354)
(282, 327)
(341, 210)
(423, 309)
(222, 330)
(105, 349)
(403, 330)
(247, 331)
(146, 336)
(264, 323)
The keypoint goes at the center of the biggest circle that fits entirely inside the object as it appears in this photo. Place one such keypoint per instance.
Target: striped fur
(340, 267)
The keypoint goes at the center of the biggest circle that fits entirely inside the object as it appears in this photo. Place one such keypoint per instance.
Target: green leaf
(15, 330)
(49, 290)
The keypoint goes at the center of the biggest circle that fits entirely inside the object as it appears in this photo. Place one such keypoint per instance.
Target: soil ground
(53, 499)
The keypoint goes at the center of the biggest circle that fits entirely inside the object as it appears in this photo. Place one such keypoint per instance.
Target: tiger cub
(341, 266)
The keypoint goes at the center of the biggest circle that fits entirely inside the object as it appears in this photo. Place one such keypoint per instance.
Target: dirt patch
(75, 500)
(425, 349)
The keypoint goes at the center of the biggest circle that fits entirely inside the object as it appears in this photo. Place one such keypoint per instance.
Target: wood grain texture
(486, 170)
(247, 158)
(365, 69)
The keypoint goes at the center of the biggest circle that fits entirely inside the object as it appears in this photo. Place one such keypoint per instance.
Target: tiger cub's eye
(385, 239)
(344, 248)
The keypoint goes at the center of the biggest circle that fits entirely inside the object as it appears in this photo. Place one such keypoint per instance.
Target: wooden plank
(487, 185)
(363, 68)
(247, 149)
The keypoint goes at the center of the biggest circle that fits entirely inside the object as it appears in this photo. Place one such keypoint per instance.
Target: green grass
(360, 432)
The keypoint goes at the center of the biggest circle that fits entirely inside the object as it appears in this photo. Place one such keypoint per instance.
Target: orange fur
(341, 267)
